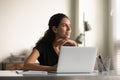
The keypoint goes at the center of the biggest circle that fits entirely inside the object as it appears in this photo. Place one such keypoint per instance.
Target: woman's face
(64, 29)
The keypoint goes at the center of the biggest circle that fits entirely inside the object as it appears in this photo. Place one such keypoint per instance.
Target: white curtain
(114, 33)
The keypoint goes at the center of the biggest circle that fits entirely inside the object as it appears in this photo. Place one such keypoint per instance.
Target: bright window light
(117, 31)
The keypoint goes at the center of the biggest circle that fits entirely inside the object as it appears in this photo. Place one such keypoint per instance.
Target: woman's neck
(56, 45)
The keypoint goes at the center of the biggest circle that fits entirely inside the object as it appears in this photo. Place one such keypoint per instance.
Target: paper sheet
(30, 72)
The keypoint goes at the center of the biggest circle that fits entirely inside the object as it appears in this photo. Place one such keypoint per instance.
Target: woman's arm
(70, 42)
(65, 42)
(30, 64)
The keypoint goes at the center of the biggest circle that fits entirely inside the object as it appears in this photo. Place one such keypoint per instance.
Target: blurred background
(23, 23)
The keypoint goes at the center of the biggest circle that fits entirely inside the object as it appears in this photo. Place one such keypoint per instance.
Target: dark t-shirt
(48, 55)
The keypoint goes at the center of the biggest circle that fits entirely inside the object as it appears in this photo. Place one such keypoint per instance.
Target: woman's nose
(68, 27)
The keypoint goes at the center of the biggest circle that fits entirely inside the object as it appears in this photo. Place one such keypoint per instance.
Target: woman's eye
(64, 24)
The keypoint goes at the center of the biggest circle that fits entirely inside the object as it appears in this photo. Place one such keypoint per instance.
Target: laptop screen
(76, 59)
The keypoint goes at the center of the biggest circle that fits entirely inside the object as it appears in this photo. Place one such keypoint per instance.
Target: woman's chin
(68, 37)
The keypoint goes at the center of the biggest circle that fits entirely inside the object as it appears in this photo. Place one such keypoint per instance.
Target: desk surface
(12, 75)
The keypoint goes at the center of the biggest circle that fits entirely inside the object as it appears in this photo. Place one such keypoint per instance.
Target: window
(116, 27)
(117, 19)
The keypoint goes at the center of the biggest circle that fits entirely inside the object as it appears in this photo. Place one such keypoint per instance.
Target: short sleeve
(39, 47)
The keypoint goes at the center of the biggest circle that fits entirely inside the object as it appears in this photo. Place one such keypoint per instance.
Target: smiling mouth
(67, 33)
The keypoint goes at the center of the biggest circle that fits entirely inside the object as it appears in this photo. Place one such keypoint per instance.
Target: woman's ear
(54, 29)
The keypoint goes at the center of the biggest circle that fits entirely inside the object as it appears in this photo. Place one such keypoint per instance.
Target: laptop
(76, 59)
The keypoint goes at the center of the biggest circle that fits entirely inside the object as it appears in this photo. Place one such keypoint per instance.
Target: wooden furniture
(12, 65)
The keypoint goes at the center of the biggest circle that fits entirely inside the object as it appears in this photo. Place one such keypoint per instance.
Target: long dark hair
(49, 35)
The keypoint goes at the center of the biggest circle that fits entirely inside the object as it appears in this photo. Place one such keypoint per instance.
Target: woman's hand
(69, 42)
(66, 42)
(63, 42)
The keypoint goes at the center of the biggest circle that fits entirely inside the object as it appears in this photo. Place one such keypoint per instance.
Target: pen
(21, 71)
(102, 62)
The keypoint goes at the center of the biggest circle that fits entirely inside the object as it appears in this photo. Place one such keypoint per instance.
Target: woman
(47, 49)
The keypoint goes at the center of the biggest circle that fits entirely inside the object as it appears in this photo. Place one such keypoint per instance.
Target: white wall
(23, 22)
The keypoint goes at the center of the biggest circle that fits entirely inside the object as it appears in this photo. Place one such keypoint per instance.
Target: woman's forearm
(35, 66)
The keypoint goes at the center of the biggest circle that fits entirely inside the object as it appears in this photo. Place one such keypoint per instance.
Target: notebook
(76, 59)
(31, 72)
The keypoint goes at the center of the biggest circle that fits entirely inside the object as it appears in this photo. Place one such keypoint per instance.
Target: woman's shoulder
(42, 45)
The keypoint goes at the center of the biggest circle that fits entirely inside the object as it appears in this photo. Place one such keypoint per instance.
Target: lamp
(81, 37)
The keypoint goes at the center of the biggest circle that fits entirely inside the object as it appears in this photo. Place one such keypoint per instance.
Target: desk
(12, 75)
